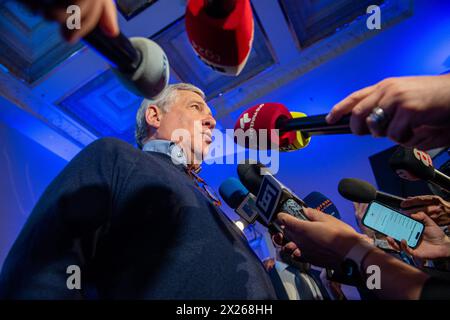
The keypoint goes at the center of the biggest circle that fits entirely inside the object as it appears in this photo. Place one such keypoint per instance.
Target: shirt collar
(280, 265)
(167, 147)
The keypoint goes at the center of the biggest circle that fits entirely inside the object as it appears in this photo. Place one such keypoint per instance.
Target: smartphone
(393, 223)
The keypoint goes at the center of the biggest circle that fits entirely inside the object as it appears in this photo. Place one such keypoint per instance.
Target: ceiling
(73, 91)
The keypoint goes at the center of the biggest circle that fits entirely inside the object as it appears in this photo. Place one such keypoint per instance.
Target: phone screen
(393, 224)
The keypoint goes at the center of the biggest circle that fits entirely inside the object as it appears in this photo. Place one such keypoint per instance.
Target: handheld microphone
(363, 192)
(140, 64)
(301, 140)
(272, 196)
(221, 33)
(237, 197)
(271, 116)
(318, 201)
(413, 164)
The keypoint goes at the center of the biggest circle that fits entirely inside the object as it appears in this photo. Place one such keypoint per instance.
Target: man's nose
(209, 122)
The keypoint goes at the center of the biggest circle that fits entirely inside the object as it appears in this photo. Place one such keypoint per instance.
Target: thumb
(108, 20)
(425, 219)
(314, 215)
(406, 248)
(393, 244)
(291, 224)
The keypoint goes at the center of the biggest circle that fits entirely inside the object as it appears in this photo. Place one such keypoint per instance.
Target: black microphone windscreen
(416, 163)
(250, 176)
(357, 190)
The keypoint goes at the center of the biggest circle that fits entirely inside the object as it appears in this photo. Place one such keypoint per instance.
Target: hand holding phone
(393, 223)
(435, 243)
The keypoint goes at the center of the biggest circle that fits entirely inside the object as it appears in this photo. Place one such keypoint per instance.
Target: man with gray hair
(179, 116)
(124, 223)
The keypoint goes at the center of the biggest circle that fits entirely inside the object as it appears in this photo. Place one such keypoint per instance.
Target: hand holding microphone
(413, 111)
(434, 244)
(99, 12)
(140, 64)
(295, 129)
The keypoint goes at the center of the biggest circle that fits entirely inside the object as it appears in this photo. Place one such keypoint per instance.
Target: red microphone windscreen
(263, 116)
(222, 43)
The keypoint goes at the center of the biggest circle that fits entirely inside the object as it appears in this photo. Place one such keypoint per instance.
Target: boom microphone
(269, 116)
(363, 192)
(413, 164)
(221, 33)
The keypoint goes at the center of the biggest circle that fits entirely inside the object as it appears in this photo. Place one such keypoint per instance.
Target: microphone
(301, 141)
(140, 64)
(273, 115)
(221, 33)
(318, 201)
(237, 197)
(357, 190)
(413, 164)
(272, 196)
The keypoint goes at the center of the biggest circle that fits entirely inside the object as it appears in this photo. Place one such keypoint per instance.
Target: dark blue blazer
(138, 228)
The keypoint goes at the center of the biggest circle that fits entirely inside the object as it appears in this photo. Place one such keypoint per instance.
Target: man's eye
(196, 106)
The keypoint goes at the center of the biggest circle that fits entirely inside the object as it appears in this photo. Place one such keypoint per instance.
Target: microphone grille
(357, 190)
(250, 175)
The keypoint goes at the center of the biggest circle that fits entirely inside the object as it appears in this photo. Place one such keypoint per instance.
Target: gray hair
(163, 101)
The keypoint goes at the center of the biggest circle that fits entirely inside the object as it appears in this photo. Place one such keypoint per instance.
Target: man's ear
(153, 116)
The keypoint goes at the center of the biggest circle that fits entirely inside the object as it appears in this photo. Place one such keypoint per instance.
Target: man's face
(189, 117)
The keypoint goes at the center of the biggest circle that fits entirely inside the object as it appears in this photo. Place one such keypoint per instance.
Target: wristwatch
(352, 264)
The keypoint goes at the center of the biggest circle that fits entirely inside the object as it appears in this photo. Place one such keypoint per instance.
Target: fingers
(419, 201)
(358, 121)
(419, 216)
(278, 239)
(108, 19)
(292, 250)
(90, 15)
(393, 243)
(426, 220)
(410, 212)
(292, 226)
(405, 248)
(426, 138)
(100, 12)
(314, 215)
(399, 128)
(346, 105)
